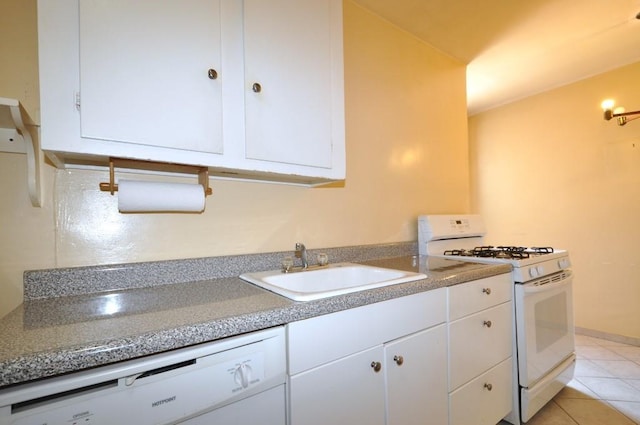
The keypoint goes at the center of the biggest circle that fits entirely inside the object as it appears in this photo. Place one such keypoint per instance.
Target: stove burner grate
(542, 249)
(459, 253)
(505, 252)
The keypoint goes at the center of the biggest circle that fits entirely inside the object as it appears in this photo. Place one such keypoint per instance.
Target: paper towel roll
(140, 196)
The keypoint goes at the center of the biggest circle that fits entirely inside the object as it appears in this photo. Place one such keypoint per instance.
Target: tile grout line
(567, 413)
(625, 358)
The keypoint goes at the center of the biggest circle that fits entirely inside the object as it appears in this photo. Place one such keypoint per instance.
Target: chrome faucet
(301, 251)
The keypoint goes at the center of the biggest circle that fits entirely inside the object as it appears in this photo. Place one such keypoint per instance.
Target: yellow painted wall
(407, 154)
(549, 170)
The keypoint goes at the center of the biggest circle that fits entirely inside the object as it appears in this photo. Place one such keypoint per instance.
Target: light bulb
(607, 104)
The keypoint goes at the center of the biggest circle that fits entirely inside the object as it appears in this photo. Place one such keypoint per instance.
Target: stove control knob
(540, 270)
(564, 263)
(533, 272)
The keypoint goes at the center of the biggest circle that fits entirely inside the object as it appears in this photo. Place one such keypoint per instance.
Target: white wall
(549, 170)
(406, 155)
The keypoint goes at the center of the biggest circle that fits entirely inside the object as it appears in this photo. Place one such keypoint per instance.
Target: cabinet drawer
(478, 342)
(322, 339)
(475, 404)
(474, 296)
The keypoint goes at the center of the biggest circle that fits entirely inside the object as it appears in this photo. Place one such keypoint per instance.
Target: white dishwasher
(238, 380)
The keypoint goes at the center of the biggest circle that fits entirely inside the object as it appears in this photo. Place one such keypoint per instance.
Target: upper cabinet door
(291, 49)
(150, 73)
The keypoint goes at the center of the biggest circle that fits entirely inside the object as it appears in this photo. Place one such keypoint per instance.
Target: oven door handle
(534, 289)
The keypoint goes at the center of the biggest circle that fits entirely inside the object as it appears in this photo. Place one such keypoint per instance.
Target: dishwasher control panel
(164, 392)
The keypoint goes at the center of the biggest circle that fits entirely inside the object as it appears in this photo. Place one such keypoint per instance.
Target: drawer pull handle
(487, 323)
(488, 386)
(376, 366)
(486, 291)
(399, 360)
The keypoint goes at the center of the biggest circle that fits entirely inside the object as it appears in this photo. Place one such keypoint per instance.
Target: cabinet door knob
(376, 366)
(212, 74)
(256, 87)
(399, 360)
(488, 386)
(486, 291)
(487, 323)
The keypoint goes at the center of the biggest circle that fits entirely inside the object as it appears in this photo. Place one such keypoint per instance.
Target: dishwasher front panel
(265, 408)
(193, 383)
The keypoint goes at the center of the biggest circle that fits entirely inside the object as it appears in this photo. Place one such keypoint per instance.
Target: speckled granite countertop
(73, 319)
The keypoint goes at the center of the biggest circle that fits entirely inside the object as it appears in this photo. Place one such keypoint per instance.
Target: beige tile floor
(605, 389)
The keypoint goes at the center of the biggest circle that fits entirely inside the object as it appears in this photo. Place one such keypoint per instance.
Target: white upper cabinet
(290, 104)
(144, 73)
(251, 89)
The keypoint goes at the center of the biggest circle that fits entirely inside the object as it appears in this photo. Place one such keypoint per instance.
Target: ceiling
(517, 48)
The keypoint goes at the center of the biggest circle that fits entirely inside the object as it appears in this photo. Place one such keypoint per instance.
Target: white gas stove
(542, 302)
(462, 237)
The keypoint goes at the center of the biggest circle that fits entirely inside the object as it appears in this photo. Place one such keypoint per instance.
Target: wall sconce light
(618, 113)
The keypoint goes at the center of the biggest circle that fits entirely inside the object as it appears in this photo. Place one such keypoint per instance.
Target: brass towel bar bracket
(163, 167)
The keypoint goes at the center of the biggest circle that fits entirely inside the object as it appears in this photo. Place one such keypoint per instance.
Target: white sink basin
(328, 281)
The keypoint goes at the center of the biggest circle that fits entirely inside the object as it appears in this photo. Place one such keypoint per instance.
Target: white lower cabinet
(473, 403)
(480, 336)
(486, 335)
(383, 363)
(345, 391)
(416, 375)
(439, 357)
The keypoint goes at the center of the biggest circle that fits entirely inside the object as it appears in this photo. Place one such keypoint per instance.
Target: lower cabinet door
(347, 391)
(484, 400)
(416, 368)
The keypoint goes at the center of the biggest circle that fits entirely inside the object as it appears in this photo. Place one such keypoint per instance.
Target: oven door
(544, 325)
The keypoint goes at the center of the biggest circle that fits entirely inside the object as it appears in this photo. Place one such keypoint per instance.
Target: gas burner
(489, 251)
(506, 252)
(542, 249)
(484, 251)
(512, 248)
(459, 253)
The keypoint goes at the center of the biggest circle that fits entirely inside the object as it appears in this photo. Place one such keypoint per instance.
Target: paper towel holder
(163, 167)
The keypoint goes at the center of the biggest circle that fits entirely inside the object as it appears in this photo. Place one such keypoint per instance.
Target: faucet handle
(323, 259)
(287, 264)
